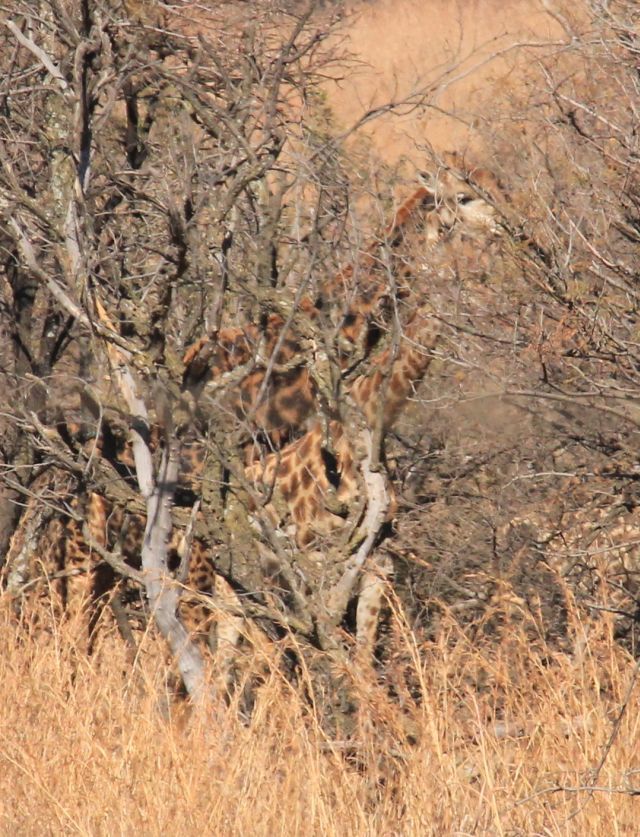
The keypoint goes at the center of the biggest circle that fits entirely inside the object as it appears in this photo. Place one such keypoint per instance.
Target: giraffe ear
(427, 180)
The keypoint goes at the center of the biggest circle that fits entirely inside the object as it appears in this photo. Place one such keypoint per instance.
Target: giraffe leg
(370, 598)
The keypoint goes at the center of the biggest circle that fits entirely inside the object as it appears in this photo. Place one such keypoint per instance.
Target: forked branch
(162, 592)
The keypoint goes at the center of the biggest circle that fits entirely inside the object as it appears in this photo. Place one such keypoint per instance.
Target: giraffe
(441, 205)
(311, 485)
(312, 489)
(78, 557)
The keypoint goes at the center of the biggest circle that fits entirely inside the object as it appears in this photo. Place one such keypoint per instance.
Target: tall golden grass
(499, 736)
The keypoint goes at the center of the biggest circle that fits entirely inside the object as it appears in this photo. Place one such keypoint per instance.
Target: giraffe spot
(293, 377)
(374, 333)
(306, 478)
(273, 417)
(305, 537)
(313, 508)
(300, 510)
(396, 385)
(294, 485)
(293, 406)
(289, 400)
(285, 466)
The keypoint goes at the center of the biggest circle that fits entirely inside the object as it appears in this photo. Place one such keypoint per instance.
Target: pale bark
(377, 507)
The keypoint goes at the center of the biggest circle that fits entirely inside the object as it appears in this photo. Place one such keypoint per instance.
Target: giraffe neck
(392, 386)
(279, 403)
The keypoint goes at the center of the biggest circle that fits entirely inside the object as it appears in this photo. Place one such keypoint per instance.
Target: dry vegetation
(225, 189)
(88, 747)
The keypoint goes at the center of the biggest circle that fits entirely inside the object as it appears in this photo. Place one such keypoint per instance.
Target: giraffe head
(463, 195)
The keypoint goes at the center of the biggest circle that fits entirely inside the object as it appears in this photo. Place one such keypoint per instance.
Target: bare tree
(171, 188)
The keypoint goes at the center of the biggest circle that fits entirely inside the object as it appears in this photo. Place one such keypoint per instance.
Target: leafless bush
(167, 188)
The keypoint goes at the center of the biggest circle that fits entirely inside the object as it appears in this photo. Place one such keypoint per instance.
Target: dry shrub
(491, 737)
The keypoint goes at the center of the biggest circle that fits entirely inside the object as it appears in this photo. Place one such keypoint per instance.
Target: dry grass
(86, 747)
